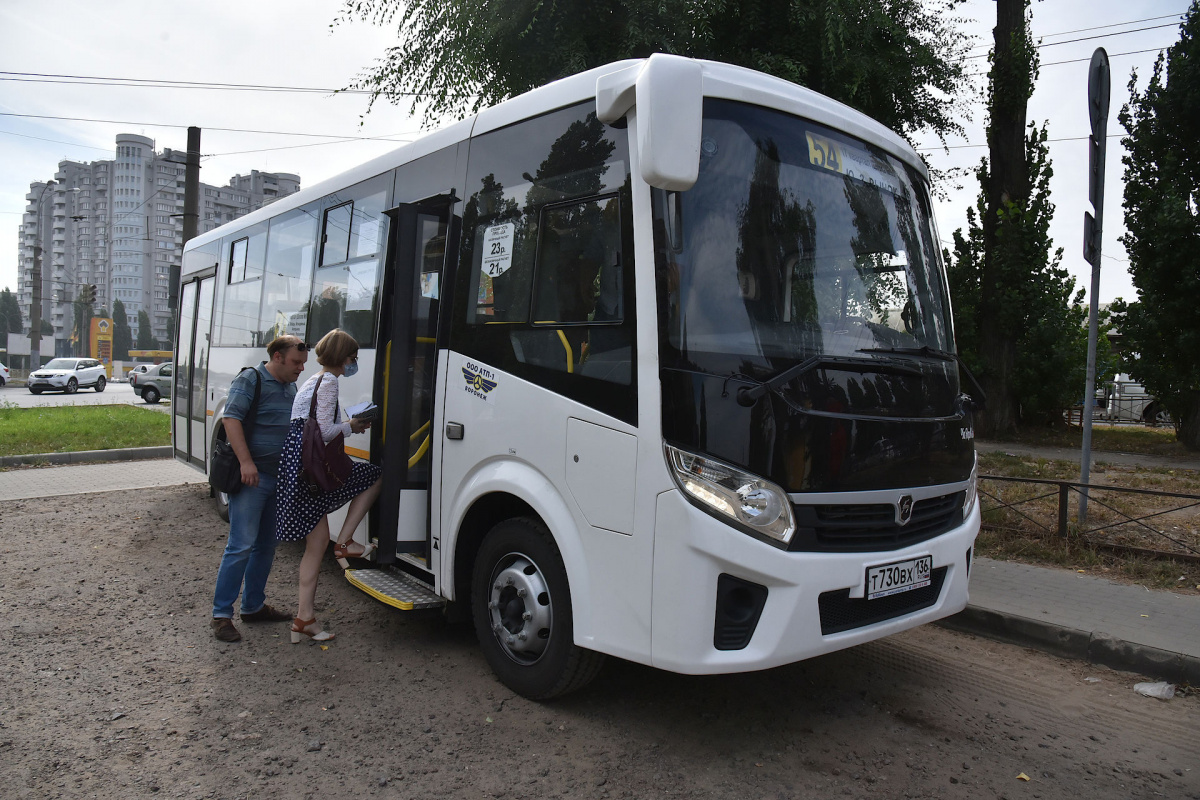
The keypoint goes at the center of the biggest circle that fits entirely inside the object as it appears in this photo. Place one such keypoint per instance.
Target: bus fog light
(746, 499)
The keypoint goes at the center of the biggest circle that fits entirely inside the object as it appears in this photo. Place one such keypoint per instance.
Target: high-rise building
(118, 225)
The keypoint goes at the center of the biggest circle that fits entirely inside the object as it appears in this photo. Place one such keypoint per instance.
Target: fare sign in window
(498, 249)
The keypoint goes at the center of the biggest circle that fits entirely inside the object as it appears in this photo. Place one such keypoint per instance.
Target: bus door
(189, 407)
(413, 291)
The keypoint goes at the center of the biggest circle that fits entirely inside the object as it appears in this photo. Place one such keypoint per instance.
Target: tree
(1017, 324)
(1162, 217)
(899, 61)
(145, 337)
(1043, 324)
(84, 312)
(122, 335)
(11, 311)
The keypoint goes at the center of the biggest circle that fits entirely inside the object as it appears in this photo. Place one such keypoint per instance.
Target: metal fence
(1050, 511)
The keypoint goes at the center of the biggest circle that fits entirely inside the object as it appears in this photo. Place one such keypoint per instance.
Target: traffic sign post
(1099, 80)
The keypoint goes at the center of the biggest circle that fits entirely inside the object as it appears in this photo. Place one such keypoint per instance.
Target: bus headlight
(972, 490)
(746, 499)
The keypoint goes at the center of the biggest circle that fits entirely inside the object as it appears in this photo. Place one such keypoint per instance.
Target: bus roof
(719, 80)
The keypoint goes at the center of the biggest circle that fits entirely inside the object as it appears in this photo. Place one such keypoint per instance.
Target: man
(250, 550)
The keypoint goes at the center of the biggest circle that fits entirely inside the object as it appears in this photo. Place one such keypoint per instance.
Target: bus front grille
(840, 612)
(861, 528)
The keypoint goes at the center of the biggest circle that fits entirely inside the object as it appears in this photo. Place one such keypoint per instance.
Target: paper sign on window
(498, 249)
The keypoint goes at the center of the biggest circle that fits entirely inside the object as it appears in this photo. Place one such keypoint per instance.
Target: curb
(1093, 647)
(88, 456)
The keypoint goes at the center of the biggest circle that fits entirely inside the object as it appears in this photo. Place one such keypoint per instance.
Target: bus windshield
(797, 240)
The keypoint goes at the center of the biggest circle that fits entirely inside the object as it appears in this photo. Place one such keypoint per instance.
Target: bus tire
(222, 501)
(521, 605)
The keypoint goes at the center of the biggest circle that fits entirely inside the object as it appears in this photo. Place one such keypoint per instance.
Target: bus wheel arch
(522, 610)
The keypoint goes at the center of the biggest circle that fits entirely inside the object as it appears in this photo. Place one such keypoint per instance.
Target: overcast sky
(290, 43)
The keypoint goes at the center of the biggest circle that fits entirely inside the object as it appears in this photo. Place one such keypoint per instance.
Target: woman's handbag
(324, 466)
(224, 469)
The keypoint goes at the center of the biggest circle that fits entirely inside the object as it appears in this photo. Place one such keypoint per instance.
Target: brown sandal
(300, 628)
(341, 553)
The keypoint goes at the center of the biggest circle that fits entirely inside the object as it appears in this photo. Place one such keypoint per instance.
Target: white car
(3, 375)
(68, 375)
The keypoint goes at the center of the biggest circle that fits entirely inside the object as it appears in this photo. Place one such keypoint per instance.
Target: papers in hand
(363, 410)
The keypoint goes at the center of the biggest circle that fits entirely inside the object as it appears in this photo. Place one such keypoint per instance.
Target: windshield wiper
(748, 395)
(928, 352)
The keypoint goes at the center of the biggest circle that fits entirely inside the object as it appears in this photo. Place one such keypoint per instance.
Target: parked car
(136, 372)
(1125, 400)
(154, 383)
(4, 377)
(68, 375)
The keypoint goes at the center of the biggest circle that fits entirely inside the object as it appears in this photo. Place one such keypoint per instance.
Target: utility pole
(1093, 230)
(35, 288)
(191, 209)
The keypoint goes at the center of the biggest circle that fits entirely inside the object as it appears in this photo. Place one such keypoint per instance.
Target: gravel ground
(114, 688)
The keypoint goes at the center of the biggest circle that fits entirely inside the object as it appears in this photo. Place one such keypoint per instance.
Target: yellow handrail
(417, 456)
(567, 346)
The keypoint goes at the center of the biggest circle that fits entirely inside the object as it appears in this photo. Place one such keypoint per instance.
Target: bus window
(577, 294)
(544, 286)
(291, 243)
(237, 324)
(345, 292)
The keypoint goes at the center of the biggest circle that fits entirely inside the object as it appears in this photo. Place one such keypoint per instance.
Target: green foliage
(145, 337)
(899, 61)
(1162, 216)
(11, 311)
(1047, 324)
(122, 334)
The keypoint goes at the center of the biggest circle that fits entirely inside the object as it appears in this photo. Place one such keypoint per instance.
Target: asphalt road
(113, 394)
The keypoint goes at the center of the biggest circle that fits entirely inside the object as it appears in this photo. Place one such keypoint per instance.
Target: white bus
(666, 362)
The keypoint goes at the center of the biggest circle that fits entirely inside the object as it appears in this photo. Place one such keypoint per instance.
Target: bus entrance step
(395, 588)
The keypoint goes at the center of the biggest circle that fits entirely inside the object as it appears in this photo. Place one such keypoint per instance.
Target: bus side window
(578, 294)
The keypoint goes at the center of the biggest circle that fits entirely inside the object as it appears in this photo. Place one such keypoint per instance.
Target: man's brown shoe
(223, 629)
(267, 613)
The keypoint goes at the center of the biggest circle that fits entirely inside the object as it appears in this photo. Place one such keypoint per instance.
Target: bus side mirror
(668, 93)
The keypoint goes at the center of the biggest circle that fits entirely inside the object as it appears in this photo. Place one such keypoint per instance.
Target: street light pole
(35, 305)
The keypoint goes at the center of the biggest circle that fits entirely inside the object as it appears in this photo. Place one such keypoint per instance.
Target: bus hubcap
(519, 607)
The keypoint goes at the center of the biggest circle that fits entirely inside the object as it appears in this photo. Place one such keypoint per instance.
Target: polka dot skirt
(299, 511)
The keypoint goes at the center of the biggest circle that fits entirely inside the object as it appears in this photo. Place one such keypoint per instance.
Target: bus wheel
(222, 505)
(522, 609)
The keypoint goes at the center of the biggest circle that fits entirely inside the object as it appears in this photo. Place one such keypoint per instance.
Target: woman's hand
(359, 425)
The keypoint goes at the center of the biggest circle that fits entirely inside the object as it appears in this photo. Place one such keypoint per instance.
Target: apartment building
(117, 224)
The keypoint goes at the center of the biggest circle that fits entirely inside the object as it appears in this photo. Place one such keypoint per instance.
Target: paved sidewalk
(19, 484)
(1098, 456)
(1079, 616)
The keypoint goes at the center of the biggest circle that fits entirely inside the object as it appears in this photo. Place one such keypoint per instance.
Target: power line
(1084, 30)
(1089, 38)
(168, 125)
(969, 146)
(168, 83)
(55, 141)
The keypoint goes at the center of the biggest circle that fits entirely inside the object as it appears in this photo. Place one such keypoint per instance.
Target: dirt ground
(114, 688)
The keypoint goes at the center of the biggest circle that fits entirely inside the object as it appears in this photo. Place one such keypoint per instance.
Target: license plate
(902, 576)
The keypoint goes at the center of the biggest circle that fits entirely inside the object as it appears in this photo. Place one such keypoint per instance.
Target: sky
(294, 43)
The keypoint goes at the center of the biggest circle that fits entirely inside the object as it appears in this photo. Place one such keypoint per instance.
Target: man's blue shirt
(270, 425)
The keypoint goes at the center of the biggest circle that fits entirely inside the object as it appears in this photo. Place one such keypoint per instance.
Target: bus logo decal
(904, 509)
(479, 381)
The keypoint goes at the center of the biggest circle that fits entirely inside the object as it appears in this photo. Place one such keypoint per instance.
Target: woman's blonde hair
(335, 348)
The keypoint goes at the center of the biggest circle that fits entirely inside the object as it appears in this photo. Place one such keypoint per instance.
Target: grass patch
(66, 429)
(1119, 438)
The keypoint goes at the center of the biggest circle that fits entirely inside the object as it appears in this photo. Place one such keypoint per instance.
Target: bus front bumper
(692, 550)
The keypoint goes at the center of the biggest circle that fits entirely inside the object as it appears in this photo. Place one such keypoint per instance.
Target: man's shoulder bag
(224, 469)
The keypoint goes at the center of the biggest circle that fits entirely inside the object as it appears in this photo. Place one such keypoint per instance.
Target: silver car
(155, 383)
(67, 375)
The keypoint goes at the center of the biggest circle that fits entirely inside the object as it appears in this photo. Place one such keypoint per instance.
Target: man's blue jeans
(250, 550)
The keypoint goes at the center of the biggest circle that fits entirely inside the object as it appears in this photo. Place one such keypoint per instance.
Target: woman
(300, 514)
